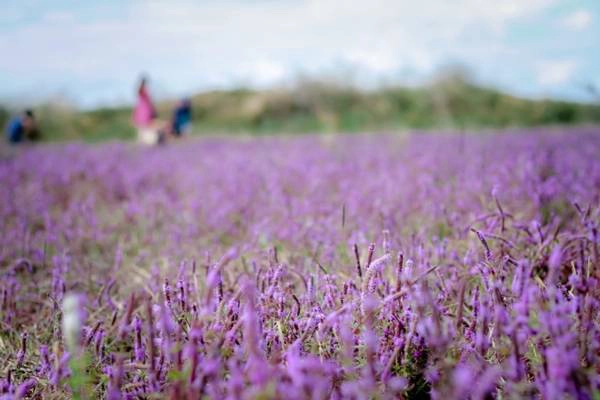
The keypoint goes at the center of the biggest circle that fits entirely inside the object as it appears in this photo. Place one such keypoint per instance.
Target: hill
(317, 106)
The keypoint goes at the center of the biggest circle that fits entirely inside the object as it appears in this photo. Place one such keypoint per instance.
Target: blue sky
(91, 53)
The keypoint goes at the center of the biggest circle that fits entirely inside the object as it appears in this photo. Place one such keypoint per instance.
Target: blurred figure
(181, 123)
(22, 128)
(150, 130)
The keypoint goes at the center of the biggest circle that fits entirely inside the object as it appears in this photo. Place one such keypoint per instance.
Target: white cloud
(375, 60)
(193, 44)
(553, 73)
(577, 20)
(265, 72)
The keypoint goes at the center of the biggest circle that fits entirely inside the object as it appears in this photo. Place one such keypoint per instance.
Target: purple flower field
(345, 267)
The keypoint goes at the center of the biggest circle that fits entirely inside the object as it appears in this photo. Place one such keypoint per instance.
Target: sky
(91, 53)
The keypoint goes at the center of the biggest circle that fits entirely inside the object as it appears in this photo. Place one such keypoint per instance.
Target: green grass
(449, 103)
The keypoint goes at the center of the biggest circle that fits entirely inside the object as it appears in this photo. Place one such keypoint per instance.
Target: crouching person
(181, 122)
(22, 128)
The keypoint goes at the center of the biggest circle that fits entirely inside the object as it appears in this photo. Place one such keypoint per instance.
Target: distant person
(150, 130)
(22, 128)
(181, 122)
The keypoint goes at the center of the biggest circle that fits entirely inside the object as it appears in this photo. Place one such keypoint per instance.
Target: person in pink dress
(149, 127)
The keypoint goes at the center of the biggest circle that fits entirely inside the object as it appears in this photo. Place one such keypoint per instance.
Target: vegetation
(349, 267)
(316, 106)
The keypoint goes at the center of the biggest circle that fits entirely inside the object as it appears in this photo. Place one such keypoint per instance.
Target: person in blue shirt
(182, 118)
(22, 128)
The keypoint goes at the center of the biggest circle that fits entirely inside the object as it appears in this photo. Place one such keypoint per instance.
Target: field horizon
(450, 102)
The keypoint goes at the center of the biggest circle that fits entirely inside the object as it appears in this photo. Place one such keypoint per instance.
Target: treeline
(317, 106)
